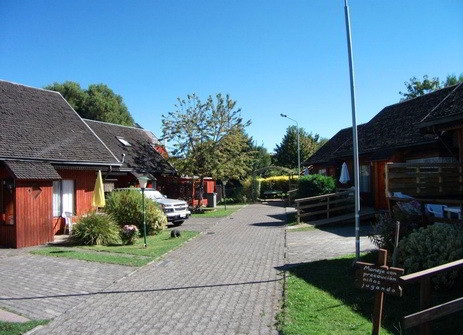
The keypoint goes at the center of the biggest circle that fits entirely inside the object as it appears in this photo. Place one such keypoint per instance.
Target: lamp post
(143, 181)
(298, 145)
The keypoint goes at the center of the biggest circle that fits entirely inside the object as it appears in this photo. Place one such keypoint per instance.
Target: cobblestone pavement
(325, 242)
(226, 281)
(223, 282)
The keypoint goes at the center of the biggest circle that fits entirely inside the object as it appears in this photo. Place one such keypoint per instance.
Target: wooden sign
(378, 278)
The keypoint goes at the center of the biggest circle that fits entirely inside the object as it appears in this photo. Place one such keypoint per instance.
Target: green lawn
(16, 328)
(131, 255)
(321, 299)
(218, 212)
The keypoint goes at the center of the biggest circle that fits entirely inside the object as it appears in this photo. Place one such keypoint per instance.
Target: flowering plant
(129, 234)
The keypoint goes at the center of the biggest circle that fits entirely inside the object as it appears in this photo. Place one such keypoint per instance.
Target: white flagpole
(354, 134)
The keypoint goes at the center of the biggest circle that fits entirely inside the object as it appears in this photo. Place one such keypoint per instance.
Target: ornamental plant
(315, 184)
(428, 247)
(126, 206)
(95, 229)
(129, 234)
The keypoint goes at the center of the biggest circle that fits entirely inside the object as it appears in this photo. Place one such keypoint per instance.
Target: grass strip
(321, 299)
(17, 328)
(219, 212)
(130, 255)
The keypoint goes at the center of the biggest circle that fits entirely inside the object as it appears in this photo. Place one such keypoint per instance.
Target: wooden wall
(33, 213)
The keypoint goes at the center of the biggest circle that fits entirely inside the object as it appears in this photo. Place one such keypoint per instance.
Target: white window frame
(63, 196)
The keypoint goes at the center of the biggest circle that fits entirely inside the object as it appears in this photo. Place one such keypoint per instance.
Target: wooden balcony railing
(425, 179)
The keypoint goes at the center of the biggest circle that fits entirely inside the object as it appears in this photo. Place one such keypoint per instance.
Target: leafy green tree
(98, 102)
(208, 138)
(416, 88)
(260, 157)
(286, 154)
(72, 92)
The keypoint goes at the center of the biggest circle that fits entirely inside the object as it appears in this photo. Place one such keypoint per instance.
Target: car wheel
(178, 223)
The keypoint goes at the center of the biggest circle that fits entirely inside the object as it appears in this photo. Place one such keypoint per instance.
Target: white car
(176, 210)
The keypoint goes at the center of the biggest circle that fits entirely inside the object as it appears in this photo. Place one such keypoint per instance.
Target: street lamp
(298, 145)
(143, 181)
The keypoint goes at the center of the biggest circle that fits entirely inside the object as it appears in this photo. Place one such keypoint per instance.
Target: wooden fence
(425, 179)
(325, 206)
(429, 312)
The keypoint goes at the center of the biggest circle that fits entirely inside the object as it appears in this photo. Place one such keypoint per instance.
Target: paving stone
(228, 280)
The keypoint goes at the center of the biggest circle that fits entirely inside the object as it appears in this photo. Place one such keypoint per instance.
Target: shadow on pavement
(139, 291)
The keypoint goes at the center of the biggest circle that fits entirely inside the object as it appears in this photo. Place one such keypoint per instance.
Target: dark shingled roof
(448, 111)
(38, 124)
(325, 153)
(396, 126)
(32, 170)
(140, 156)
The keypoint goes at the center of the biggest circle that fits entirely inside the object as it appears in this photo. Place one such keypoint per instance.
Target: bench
(273, 194)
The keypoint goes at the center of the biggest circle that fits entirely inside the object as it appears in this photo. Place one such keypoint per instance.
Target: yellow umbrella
(98, 199)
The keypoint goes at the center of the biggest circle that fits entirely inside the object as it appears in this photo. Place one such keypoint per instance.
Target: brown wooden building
(49, 158)
(426, 129)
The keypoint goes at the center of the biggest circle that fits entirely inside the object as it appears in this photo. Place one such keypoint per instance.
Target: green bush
(280, 183)
(432, 246)
(95, 229)
(384, 229)
(126, 207)
(315, 184)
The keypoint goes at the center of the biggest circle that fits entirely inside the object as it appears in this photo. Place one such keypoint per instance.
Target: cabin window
(63, 197)
(365, 178)
(322, 172)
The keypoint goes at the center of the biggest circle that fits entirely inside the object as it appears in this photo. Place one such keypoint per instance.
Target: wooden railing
(325, 206)
(425, 179)
(429, 312)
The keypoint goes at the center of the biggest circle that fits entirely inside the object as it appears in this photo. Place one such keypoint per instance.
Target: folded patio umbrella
(98, 199)
(344, 178)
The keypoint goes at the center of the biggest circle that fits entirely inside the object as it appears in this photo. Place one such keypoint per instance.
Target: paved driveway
(226, 281)
(223, 282)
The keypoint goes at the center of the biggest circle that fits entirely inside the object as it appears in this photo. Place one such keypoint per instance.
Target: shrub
(280, 183)
(315, 184)
(95, 229)
(432, 246)
(126, 207)
(129, 234)
(384, 228)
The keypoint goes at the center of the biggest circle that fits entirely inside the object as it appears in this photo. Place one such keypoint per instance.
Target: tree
(260, 157)
(98, 102)
(208, 138)
(286, 154)
(416, 88)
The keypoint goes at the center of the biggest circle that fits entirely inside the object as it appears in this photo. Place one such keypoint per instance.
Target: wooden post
(379, 297)
(425, 303)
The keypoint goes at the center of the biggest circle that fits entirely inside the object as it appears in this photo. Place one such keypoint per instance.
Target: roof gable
(135, 146)
(449, 110)
(325, 153)
(395, 126)
(38, 124)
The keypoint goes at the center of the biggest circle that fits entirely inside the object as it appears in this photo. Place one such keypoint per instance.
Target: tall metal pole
(354, 134)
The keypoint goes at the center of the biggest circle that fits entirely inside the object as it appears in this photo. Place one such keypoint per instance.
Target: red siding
(33, 213)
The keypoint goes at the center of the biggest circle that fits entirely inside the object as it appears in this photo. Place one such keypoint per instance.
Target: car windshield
(153, 194)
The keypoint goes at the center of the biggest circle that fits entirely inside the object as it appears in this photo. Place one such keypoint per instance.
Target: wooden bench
(273, 194)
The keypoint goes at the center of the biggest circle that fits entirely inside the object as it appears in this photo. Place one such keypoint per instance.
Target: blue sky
(271, 56)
